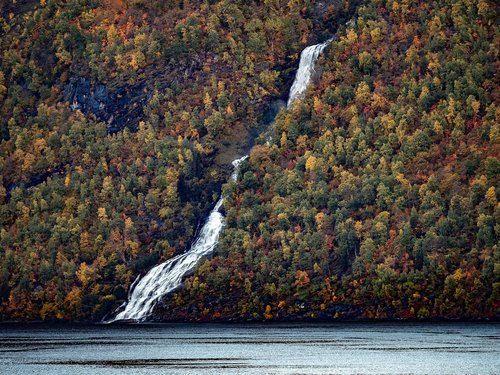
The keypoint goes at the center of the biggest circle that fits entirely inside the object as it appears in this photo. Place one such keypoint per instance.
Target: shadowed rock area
(119, 110)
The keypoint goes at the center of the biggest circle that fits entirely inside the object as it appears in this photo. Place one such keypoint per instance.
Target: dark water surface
(348, 348)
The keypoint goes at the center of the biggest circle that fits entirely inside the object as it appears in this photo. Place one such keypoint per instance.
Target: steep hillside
(378, 196)
(117, 121)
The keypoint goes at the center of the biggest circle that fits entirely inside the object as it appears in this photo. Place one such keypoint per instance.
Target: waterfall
(168, 276)
(308, 59)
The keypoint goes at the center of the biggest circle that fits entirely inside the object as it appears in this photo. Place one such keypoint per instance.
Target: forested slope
(117, 121)
(378, 196)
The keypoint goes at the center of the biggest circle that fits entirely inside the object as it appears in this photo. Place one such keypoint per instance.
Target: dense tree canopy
(86, 203)
(377, 196)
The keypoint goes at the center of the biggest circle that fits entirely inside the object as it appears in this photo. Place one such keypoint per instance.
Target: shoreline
(231, 322)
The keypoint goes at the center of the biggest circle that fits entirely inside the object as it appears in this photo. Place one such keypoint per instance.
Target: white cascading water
(308, 59)
(168, 276)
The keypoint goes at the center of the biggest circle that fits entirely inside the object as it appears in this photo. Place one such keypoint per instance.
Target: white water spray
(308, 59)
(168, 276)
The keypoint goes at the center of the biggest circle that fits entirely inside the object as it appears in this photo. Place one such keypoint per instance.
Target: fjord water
(344, 348)
(167, 277)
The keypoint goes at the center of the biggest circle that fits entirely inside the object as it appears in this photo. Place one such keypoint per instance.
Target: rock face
(325, 24)
(120, 109)
(79, 93)
(321, 7)
(17, 7)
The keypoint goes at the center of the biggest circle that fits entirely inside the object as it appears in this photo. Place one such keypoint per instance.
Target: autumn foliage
(376, 198)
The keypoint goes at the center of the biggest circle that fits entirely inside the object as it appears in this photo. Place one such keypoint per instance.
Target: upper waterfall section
(308, 59)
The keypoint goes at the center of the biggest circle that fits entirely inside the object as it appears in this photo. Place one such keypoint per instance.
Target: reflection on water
(348, 348)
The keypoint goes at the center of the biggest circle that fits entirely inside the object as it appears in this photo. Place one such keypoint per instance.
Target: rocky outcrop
(119, 110)
(79, 93)
(328, 15)
(17, 7)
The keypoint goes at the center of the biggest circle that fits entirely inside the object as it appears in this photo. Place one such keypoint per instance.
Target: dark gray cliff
(119, 110)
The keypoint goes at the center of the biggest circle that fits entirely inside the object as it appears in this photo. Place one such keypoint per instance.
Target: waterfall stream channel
(168, 276)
